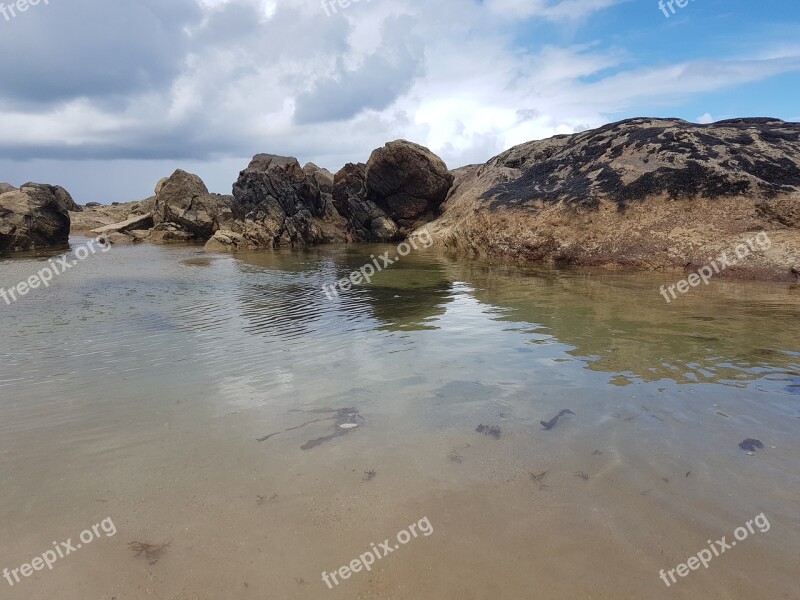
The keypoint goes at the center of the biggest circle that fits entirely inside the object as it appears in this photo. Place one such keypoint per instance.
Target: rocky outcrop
(323, 180)
(131, 223)
(99, 215)
(365, 220)
(6, 187)
(400, 188)
(642, 193)
(228, 241)
(184, 200)
(34, 217)
(408, 182)
(277, 203)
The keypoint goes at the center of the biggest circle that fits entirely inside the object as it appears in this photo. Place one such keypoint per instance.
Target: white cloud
(245, 76)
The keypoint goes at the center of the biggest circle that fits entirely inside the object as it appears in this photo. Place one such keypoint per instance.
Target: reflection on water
(175, 391)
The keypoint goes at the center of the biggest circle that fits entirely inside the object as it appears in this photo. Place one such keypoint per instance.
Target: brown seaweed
(152, 552)
(547, 425)
(344, 421)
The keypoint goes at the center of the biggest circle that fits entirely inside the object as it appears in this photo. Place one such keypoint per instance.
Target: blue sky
(108, 97)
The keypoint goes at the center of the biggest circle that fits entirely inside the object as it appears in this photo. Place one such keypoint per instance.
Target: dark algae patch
(548, 425)
(751, 445)
(491, 430)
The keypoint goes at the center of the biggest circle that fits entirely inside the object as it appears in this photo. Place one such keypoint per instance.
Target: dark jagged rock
(365, 220)
(33, 217)
(323, 180)
(277, 204)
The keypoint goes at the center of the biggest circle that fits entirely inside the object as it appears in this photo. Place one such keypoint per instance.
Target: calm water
(136, 387)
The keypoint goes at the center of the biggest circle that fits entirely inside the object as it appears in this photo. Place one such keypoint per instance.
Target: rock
(638, 194)
(139, 234)
(135, 222)
(183, 199)
(116, 238)
(62, 196)
(167, 237)
(227, 241)
(408, 182)
(33, 217)
(7, 187)
(323, 180)
(100, 215)
(92, 205)
(365, 220)
(277, 204)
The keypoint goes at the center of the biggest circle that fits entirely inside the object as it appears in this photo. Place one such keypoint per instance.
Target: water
(136, 387)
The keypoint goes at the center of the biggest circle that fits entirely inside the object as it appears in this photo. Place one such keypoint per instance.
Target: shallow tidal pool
(245, 434)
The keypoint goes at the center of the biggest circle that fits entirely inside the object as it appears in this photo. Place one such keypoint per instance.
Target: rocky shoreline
(638, 194)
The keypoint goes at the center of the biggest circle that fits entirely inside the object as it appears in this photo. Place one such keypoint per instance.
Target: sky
(105, 97)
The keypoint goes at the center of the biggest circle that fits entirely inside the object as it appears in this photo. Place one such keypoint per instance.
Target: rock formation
(365, 220)
(642, 193)
(184, 200)
(400, 188)
(408, 182)
(33, 217)
(277, 203)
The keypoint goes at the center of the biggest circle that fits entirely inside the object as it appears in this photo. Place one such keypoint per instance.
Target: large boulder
(408, 182)
(642, 193)
(62, 196)
(33, 217)
(183, 199)
(365, 220)
(276, 203)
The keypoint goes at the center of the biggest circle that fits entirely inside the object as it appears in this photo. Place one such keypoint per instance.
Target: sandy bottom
(141, 399)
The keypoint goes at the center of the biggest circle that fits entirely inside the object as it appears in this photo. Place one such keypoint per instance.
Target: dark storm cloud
(93, 48)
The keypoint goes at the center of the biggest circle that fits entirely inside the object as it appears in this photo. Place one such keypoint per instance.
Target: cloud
(212, 80)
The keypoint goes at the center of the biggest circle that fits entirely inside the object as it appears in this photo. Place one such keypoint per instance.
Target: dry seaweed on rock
(152, 552)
